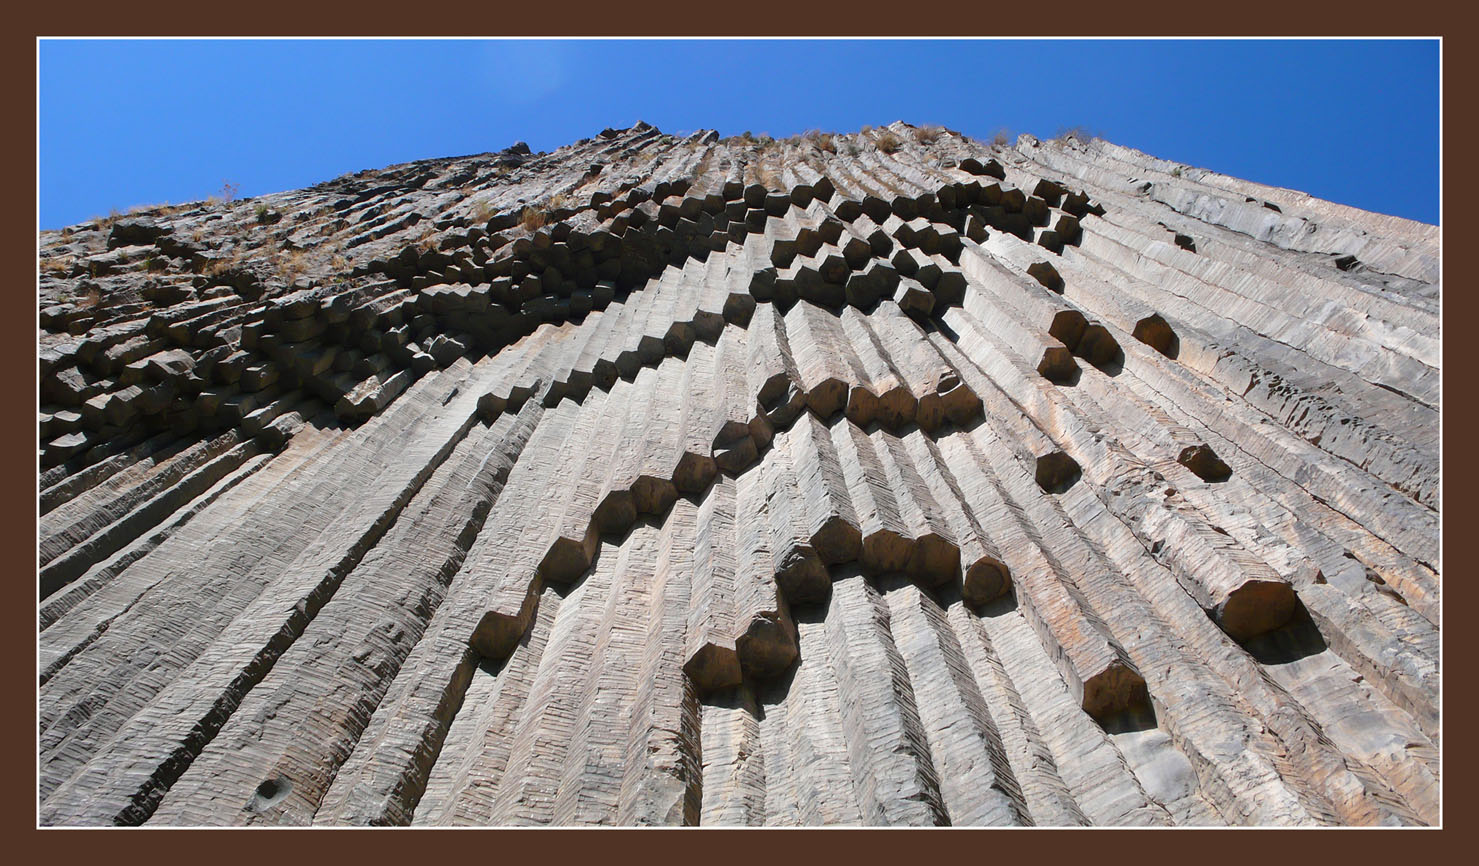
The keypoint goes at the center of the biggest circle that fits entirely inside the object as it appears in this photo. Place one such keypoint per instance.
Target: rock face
(885, 478)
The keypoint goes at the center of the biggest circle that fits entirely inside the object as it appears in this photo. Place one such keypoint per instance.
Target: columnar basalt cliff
(884, 478)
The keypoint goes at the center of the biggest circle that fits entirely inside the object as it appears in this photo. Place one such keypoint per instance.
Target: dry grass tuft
(823, 141)
(533, 219)
(225, 195)
(426, 239)
(61, 265)
(290, 265)
(887, 142)
(160, 209)
(1075, 133)
(106, 223)
(928, 134)
(225, 265)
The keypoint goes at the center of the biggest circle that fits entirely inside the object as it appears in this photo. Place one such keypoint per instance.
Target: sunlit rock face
(891, 478)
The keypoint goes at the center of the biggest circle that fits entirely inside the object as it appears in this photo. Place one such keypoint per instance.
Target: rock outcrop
(886, 478)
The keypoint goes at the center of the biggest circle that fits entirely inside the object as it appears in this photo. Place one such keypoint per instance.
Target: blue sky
(125, 123)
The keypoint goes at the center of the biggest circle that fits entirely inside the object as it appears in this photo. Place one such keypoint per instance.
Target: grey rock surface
(889, 478)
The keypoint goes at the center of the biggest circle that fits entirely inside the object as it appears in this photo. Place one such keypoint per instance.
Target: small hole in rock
(269, 793)
(1056, 472)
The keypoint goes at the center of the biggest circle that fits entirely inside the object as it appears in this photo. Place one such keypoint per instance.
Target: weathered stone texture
(884, 478)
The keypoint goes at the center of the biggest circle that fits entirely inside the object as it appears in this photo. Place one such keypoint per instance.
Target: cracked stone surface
(887, 478)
